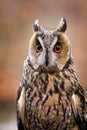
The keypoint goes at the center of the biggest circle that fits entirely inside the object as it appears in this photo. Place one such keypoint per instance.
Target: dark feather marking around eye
(58, 47)
(37, 41)
(58, 38)
(38, 46)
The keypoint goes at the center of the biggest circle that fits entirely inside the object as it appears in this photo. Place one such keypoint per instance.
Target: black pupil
(57, 48)
(39, 47)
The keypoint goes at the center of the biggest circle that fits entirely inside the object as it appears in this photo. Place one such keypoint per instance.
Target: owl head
(49, 50)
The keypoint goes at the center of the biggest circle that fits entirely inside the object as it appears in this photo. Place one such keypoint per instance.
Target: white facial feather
(48, 41)
(41, 58)
(54, 41)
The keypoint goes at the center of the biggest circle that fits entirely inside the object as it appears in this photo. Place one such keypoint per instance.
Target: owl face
(49, 49)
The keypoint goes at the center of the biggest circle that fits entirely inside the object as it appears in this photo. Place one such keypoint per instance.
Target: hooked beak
(46, 58)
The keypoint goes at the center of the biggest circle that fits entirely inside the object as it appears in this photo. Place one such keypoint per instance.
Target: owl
(50, 96)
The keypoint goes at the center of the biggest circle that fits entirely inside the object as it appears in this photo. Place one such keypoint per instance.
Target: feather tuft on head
(62, 25)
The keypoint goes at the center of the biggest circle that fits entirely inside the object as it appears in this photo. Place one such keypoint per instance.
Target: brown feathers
(50, 96)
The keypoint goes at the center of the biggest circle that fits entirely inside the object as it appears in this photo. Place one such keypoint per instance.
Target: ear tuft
(62, 25)
(36, 26)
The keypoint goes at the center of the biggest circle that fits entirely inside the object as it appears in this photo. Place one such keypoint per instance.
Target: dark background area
(16, 20)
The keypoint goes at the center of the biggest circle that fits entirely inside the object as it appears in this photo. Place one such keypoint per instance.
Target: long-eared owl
(50, 96)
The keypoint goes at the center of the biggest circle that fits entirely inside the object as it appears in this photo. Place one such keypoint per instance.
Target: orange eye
(57, 48)
(38, 48)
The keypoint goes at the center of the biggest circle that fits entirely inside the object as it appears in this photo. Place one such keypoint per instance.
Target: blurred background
(16, 20)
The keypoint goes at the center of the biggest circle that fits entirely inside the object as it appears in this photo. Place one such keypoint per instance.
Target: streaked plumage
(50, 96)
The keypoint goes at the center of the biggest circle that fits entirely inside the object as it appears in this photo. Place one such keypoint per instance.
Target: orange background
(16, 20)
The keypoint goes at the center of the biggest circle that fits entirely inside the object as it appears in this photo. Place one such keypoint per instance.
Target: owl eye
(38, 47)
(57, 48)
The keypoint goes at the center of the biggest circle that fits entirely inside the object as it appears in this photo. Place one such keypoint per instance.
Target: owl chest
(48, 102)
